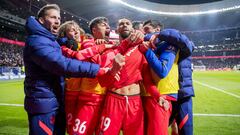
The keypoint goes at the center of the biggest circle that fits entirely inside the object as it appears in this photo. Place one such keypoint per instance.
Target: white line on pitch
(195, 114)
(218, 89)
(6, 104)
(217, 115)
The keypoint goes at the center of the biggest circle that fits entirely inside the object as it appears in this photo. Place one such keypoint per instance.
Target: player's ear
(41, 20)
(157, 29)
(94, 30)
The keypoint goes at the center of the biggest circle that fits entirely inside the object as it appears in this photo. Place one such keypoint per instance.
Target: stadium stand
(12, 33)
(216, 49)
(11, 55)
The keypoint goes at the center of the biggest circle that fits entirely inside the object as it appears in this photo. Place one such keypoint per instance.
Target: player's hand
(100, 41)
(117, 76)
(164, 103)
(144, 46)
(108, 46)
(139, 37)
(118, 63)
(103, 71)
(136, 37)
(153, 41)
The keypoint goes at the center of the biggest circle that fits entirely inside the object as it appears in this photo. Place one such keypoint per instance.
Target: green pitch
(211, 101)
(216, 93)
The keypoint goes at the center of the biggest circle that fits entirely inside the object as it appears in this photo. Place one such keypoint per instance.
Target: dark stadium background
(216, 36)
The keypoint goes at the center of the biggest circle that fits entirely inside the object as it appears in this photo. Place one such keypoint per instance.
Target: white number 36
(79, 127)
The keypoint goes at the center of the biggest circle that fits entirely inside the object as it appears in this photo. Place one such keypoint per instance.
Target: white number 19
(106, 122)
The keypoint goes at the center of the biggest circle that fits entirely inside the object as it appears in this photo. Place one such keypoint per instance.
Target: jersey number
(79, 127)
(105, 122)
(69, 118)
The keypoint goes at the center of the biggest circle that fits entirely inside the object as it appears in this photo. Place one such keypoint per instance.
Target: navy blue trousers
(52, 123)
(182, 113)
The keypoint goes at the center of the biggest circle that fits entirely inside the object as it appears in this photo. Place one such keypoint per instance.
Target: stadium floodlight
(211, 11)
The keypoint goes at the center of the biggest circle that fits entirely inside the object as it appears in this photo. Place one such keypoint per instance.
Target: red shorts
(87, 113)
(71, 98)
(156, 117)
(121, 112)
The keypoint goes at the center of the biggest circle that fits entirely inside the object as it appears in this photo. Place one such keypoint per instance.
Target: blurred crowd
(217, 63)
(11, 55)
(218, 42)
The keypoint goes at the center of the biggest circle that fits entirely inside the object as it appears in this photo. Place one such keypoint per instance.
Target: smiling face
(51, 20)
(124, 28)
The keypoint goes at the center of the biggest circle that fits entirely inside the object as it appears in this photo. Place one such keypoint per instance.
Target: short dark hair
(154, 23)
(96, 21)
(44, 9)
(136, 24)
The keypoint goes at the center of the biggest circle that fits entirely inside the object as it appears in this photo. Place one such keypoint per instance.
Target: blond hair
(66, 26)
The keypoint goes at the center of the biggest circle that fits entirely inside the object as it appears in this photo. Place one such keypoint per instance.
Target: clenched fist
(118, 63)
